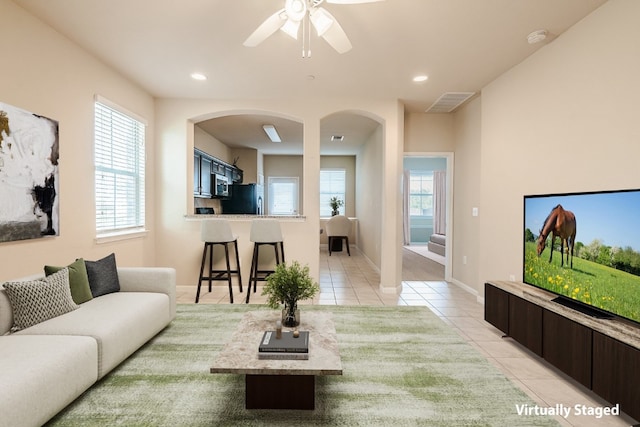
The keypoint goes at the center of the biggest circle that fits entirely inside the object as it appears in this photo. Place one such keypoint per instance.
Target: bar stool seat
(218, 232)
(264, 232)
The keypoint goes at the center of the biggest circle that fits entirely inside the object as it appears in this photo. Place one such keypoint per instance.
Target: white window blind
(283, 195)
(332, 184)
(119, 171)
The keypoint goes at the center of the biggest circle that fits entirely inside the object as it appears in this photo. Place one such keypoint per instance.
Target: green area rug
(402, 366)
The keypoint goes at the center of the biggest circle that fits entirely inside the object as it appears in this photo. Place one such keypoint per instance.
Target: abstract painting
(29, 152)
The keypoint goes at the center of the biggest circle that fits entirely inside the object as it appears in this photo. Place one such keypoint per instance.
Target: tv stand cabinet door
(496, 307)
(525, 323)
(567, 346)
(616, 373)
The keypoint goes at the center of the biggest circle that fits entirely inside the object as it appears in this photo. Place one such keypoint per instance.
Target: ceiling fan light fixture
(321, 21)
(291, 28)
(296, 9)
(272, 133)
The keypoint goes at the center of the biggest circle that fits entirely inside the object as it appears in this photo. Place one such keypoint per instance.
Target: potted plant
(288, 285)
(335, 204)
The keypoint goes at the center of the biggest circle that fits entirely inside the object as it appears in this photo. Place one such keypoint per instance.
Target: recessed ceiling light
(338, 138)
(198, 76)
(421, 78)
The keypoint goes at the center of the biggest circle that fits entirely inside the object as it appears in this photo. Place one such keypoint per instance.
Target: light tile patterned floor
(352, 280)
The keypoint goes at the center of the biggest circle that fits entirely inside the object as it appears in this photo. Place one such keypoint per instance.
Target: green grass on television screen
(591, 283)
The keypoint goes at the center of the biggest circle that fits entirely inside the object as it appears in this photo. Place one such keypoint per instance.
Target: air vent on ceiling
(449, 101)
(338, 138)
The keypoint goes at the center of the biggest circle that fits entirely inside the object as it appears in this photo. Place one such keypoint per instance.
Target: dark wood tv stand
(601, 354)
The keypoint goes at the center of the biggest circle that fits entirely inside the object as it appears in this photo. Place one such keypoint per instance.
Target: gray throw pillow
(35, 301)
(103, 276)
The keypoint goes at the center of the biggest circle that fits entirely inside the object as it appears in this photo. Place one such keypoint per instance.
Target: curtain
(405, 209)
(439, 202)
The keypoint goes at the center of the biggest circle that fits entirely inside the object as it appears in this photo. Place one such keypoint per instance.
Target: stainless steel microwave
(220, 185)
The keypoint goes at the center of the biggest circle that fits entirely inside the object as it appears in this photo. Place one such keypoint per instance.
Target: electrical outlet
(512, 277)
(464, 259)
(474, 212)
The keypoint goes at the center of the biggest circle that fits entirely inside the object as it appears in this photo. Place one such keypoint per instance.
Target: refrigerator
(244, 199)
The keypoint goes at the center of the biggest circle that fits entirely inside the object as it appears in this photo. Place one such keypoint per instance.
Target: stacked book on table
(286, 347)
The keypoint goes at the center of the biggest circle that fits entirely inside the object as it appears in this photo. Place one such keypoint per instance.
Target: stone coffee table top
(240, 355)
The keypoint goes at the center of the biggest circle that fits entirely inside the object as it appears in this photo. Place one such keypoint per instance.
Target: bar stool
(264, 232)
(218, 232)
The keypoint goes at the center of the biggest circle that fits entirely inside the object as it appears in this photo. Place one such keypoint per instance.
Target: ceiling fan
(300, 12)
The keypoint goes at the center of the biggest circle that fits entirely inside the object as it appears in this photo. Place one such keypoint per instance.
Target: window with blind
(332, 184)
(421, 193)
(119, 170)
(283, 195)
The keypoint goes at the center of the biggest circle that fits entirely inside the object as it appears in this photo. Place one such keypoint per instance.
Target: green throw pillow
(78, 280)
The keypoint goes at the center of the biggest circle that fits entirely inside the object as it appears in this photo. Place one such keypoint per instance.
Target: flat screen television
(602, 229)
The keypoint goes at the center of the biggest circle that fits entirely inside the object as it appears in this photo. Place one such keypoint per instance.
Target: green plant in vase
(288, 285)
(335, 204)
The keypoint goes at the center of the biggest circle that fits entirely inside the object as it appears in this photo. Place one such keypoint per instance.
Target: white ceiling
(462, 45)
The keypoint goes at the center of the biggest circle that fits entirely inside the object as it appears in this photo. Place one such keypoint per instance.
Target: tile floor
(353, 281)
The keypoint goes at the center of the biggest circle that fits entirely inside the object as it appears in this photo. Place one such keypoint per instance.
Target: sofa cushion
(120, 322)
(103, 276)
(78, 280)
(35, 301)
(40, 375)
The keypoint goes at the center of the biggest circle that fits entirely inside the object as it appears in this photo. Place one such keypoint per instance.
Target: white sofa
(45, 367)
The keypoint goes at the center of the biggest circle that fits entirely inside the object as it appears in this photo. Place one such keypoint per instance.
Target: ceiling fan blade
(352, 1)
(335, 35)
(267, 28)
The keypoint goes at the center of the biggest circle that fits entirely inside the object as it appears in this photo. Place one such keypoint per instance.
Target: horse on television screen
(559, 223)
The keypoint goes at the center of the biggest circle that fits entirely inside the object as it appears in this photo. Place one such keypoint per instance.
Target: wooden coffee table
(280, 384)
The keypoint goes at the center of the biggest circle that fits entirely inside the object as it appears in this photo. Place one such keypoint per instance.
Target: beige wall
(179, 245)
(466, 195)
(369, 210)
(44, 73)
(428, 133)
(566, 119)
(211, 145)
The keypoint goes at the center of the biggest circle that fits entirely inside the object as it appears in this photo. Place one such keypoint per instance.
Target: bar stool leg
(210, 263)
(204, 260)
(226, 256)
(282, 250)
(254, 272)
(238, 264)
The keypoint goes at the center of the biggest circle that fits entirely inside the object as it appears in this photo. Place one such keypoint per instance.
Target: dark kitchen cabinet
(202, 174)
(204, 165)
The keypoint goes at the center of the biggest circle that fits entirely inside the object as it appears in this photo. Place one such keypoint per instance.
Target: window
(421, 193)
(283, 196)
(332, 184)
(119, 170)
